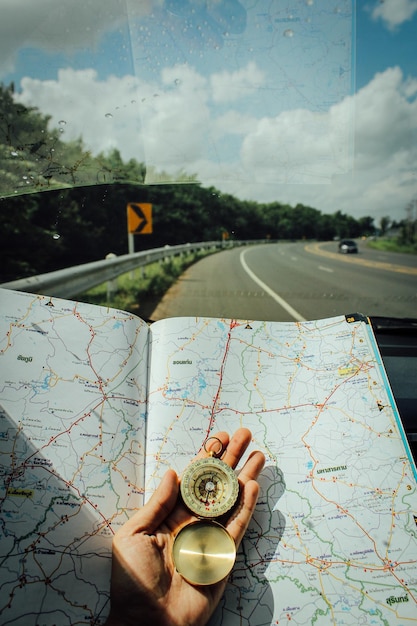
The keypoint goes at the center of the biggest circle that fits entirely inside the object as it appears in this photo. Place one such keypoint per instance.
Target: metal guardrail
(74, 280)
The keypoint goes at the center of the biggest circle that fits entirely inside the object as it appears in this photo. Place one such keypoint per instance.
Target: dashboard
(397, 341)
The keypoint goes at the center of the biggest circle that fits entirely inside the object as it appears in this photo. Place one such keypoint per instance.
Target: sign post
(139, 221)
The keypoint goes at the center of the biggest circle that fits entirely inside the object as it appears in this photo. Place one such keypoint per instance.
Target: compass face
(209, 487)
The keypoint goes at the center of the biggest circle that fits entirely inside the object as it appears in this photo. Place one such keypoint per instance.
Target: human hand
(146, 589)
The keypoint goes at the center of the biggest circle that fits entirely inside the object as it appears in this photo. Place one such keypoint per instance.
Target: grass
(392, 245)
(130, 291)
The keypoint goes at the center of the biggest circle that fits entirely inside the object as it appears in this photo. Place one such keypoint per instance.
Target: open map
(334, 536)
(72, 428)
(89, 423)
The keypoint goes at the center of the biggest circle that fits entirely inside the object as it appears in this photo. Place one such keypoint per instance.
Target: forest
(61, 206)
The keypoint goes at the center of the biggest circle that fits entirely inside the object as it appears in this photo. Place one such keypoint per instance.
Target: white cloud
(386, 119)
(59, 26)
(233, 123)
(364, 147)
(394, 12)
(164, 124)
(297, 146)
(176, 119)
(383, 178)
(173, 124)
(103, 113)
(231, 86)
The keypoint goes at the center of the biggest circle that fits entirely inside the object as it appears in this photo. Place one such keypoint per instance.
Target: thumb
(159, 506)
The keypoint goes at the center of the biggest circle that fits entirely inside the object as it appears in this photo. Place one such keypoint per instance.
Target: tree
(326, 228)
(384, 224)
(366, 226)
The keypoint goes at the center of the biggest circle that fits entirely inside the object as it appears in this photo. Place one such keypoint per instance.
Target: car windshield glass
(232, 94)
(291, 122)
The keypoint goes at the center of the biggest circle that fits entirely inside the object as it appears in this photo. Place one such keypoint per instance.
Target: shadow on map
(47, 532)
(248, 598)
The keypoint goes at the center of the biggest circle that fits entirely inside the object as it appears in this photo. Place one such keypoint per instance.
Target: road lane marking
(315, 248)
(287, 307)
(325, 269)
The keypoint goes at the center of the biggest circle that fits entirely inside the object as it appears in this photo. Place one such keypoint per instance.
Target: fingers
(212, 444)
(239, 522)
(233, 448)
(237, 446)
(159, 506)
(253, 467)
(163, 501)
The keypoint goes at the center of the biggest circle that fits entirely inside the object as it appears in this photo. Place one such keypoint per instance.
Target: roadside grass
(131, 290)
(391, 245)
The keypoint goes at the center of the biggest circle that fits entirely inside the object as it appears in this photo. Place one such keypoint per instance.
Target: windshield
(289, 124)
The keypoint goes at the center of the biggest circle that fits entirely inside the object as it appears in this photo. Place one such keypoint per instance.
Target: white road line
(295, 314)
(325, 269)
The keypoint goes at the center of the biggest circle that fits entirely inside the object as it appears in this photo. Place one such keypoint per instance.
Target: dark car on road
(347, 246)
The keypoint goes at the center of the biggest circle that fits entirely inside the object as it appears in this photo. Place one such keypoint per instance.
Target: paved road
(288, 281)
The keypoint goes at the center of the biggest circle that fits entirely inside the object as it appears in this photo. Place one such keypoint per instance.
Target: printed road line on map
(283, 303)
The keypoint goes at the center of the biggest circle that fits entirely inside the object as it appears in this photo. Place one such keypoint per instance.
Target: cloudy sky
(293, 100)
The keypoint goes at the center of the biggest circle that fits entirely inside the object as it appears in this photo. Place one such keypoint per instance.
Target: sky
(310, 101)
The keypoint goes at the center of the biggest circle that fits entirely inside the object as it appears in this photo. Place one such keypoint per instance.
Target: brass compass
(204, 552)
(209, 487)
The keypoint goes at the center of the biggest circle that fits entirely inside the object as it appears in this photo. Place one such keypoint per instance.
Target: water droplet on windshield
(56, 236)
(289, 32)
(108, 115)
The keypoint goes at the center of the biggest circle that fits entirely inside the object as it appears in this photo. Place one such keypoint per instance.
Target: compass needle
(209, 487)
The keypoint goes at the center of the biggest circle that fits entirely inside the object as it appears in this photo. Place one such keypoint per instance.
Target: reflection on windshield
(298, 103)
(226, 93)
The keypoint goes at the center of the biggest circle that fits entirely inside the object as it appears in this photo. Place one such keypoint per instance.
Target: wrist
(143, 618)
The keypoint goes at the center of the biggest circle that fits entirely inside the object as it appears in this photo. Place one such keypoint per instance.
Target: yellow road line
(315, 248)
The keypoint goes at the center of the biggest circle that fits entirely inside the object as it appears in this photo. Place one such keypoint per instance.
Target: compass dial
(209, 487)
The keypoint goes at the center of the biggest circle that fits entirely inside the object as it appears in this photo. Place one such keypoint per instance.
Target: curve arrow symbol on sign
(139, 218)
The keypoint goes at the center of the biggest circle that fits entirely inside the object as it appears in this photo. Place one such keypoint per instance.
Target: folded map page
(96, 405)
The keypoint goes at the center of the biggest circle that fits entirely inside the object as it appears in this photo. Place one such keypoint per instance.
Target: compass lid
(204, 552)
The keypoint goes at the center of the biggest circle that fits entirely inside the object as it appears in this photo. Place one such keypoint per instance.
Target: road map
(89, 423)
(334, 536)
(72, 430)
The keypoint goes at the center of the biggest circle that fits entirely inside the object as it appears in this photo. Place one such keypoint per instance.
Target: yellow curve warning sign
(139, 218)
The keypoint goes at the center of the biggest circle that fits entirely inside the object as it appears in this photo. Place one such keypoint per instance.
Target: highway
(294, 281)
